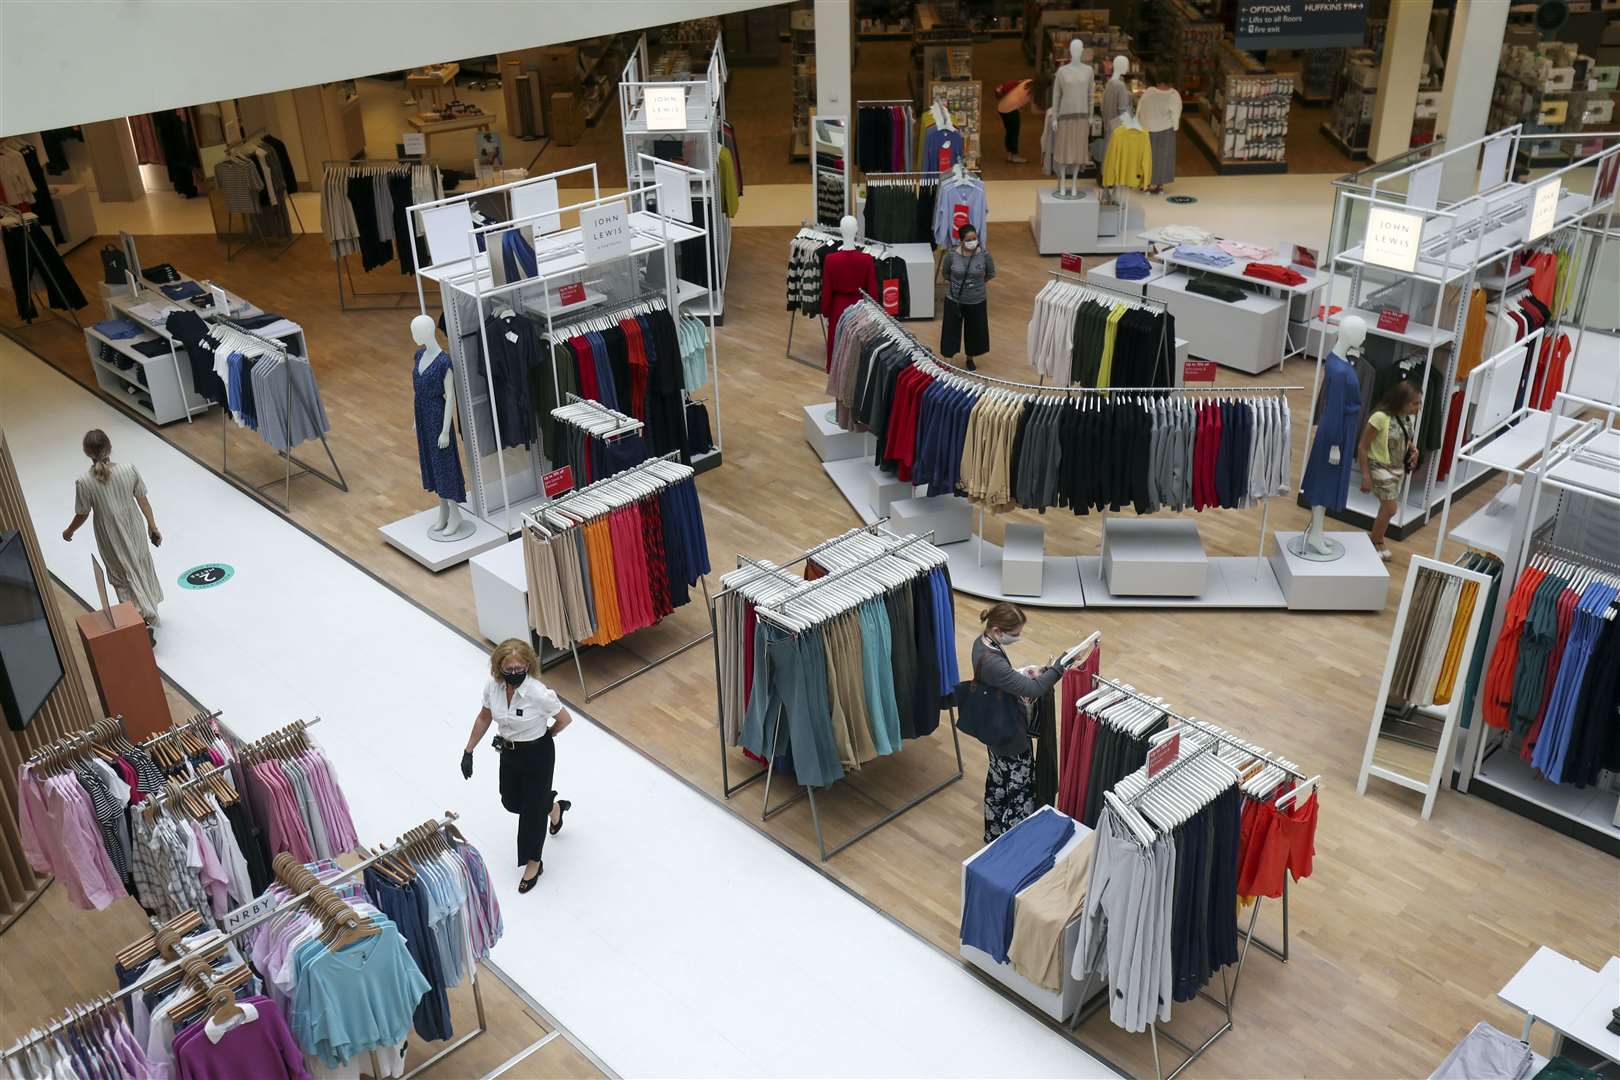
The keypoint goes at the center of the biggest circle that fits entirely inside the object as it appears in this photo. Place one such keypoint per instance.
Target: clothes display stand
(701, 135)
(1057, 352)
(1440, 290)
(414, 181)
(1536, 742)
(664, 560)
(830, 182)
(885, 135)
(215, 970)
(298, 420)
(28, 262)
(909, 266)
(866, 575)
(256, 188)
(1255, 322)
(898, 207)
(594, 428)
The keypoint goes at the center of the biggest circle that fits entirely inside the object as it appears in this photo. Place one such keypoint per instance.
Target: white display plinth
(1235, 581)
(826, 438)
(501, 592)
(1023, 557)
(1246, 335)
(856, 479)
(886, 491)
(1084, 225)
(948, 517)
(919, 260)
(410, 535)
(1358, 581)
(1150, 557)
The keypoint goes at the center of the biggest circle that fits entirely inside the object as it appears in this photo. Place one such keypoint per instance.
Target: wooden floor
(1402, 936)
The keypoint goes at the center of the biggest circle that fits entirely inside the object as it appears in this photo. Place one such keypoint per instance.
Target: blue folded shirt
(117, 329)
(1203, 255)
(183, 290)
(1132, 266)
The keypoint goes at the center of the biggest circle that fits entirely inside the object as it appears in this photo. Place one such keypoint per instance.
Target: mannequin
(847, 273)
(1327, 471)
(435, 432)
(1071, 105)
(1116, 100)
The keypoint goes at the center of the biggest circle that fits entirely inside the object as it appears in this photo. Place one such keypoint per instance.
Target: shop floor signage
(1299, 24)
(207, 575)
(1182, 200)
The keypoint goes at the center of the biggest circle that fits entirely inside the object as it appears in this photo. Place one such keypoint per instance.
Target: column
(112, 160)
(1399, 77)
(833, 48)
(1465, 98)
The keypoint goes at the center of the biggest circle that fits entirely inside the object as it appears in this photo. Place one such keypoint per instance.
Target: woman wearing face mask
(527, 715)
(966, 267)
(1009, 783)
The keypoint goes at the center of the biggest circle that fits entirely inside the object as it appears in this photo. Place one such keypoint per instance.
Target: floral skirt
(1009, 793)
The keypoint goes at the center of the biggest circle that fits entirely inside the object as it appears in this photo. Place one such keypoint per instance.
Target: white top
(1159, 110)
(526, 717)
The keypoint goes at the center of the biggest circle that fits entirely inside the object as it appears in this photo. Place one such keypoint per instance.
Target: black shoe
(563, 806)
(530, 882)
(971, 366)
(152, 634)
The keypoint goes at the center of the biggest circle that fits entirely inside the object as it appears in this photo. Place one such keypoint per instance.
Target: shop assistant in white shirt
(527, 715)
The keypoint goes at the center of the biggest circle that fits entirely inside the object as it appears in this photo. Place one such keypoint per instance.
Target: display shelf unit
(700, 138)
(1567, 502)
(1246, 131)
(963, 101)
(503, 483)
(1318, 72)
(802, 37)
(1460, 243)
(1252, 335)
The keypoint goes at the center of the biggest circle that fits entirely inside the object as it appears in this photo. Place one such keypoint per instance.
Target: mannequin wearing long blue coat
(1327, 484)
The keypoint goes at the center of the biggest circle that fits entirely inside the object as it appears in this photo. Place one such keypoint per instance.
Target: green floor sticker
(1181, 200)
(207, 576)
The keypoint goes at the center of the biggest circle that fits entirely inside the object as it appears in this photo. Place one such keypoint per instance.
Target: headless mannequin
(1117, 108)
(1071, 96)
(1313, 543)
(451, 525)
(846, 228)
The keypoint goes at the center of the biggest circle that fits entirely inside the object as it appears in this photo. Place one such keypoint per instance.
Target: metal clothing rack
(253, 226)
(648, 303)
(286, 355)
(12, 218)
(623, 425)
(871, 247)
(444, 824)
(349, 302)
(532, 519)
(1130, 299)
(766, 611)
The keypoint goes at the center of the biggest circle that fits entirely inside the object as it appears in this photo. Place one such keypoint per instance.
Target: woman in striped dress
(116, 495)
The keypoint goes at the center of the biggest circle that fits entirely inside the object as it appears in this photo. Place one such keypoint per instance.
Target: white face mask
(970, 245)
(1010, 639)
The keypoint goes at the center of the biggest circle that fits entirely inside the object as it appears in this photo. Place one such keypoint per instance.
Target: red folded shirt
(1282, 275)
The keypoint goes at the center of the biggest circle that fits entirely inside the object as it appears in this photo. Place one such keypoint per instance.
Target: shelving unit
(1247, 128)
(802, 31)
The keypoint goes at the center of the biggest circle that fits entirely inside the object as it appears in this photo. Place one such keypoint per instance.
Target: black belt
(502, 744)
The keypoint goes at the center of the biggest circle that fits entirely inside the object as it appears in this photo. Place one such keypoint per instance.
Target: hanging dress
(120, 530)
(441, 469)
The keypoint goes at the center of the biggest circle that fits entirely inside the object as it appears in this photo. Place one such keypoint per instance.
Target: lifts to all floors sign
(1300, 24)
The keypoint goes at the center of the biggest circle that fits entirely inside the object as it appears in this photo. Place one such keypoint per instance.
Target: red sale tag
(1198, 371)
(1390, 319)
(959, 216)
(558, 481)
(1163, 754)
(572, 294)
(1070, 262)
(891, 295)
(944, 158)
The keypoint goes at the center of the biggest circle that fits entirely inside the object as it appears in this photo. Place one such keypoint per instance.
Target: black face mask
(514, 678)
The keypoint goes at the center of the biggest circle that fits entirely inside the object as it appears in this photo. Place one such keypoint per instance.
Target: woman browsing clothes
(966, 267)
(527, 715)
(1388, 451)
(1009, 782)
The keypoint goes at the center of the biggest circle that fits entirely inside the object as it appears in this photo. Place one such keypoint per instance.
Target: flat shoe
(528, 883)
(563, 806)
(1384, 553)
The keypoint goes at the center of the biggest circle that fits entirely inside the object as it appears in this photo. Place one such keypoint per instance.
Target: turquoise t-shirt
(356, 999)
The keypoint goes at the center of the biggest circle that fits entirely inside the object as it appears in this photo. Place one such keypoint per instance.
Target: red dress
(843, 277)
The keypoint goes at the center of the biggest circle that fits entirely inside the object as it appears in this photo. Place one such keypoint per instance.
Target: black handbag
(113, 264)
(994, 717)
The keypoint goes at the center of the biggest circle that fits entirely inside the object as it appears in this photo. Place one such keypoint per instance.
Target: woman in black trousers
(527, 715)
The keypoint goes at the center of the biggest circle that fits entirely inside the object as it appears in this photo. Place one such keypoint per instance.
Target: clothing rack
(812, 229)
(533, 519)
(443, 825)
(1142, 302)
(12, 218)
(74, 745)
(769, 611)
(253, 228)
(622, 425)
(236, 336)
(374, 167)
(641, 305)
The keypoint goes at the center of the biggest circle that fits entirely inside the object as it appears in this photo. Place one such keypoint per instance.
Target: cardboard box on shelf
(559, 66)
(567, 119)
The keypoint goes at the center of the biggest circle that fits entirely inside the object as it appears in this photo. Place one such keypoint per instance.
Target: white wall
(75, 61)
(832, 59)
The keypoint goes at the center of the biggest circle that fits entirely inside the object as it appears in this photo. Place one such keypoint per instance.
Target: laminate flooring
(1400, 938)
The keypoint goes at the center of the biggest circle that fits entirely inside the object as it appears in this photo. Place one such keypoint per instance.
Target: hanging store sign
(1198, 371)
(605, 231)
(248, 912)
(1300, 24)
(1544, 210)
(665, 108)
(891, 295)
(1392, 238)
(558, 481)
(1162, 755)
(960, 216)
(1069, 262)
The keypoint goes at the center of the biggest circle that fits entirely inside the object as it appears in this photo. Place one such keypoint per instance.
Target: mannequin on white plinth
(435, 433)
(1071, 131)
(1314, 543)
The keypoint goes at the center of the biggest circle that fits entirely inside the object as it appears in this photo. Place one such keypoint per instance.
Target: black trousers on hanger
(526, 772)
(27, 247)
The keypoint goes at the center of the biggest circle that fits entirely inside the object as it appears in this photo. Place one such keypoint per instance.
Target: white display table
(1356, 582)
(501, 592)
(1568, 997)
(1153, 557)
(826, 438)
(1243, 335)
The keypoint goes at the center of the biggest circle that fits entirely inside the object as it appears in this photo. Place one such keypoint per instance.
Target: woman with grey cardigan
(966, 267)
(1009, 782)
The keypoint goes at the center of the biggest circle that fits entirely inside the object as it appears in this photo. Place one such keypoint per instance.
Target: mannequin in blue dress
(441, 467)
(1327, 470)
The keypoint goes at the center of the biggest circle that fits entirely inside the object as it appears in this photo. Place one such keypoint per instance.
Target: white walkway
(669, 936)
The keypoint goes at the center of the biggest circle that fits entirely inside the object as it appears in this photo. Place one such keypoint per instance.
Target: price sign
(1163, 754)
(959, 216)
(1544, 210)
(1198, 371)
(606, 232)
(945, 158)
(1392, 238)
(415, 144)
(558, 481)
(248, 912)
(891, 295)
(572, 294)
(665, 108)
(1304, 258)
(1071, 262)
(1390, 319)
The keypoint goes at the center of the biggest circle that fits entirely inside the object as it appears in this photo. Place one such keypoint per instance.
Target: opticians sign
(1300, 24)
(605, 231)
(1393, 237)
